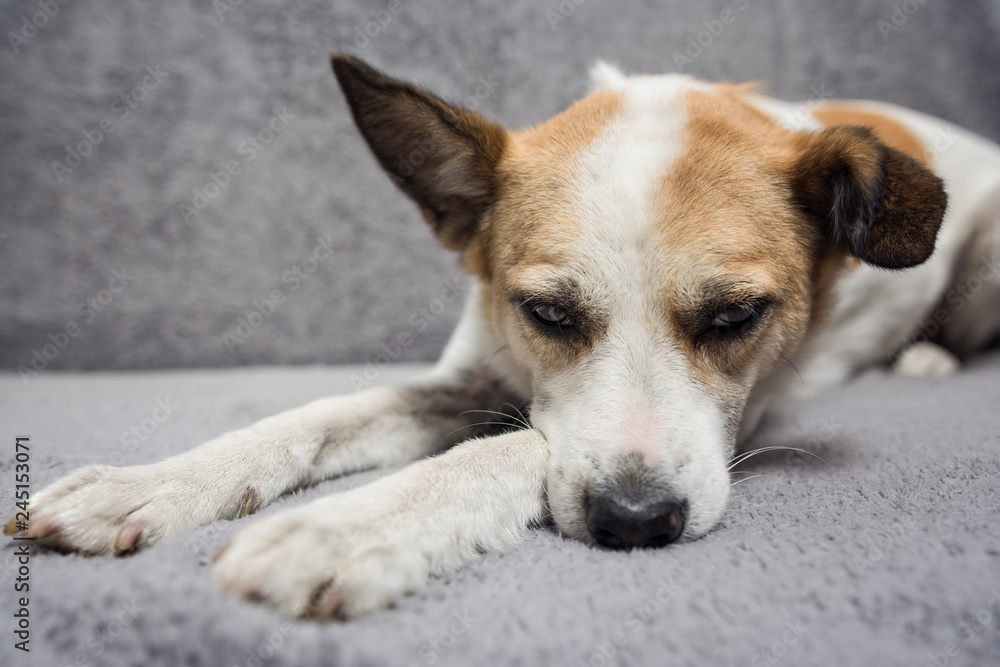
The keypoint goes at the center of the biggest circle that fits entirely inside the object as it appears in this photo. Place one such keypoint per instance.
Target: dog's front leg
(358, 551)
(100, 509)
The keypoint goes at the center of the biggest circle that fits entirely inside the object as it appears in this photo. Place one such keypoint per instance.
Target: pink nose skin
(640, 430)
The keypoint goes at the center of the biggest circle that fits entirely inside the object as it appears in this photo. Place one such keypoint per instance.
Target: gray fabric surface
(877, 556)
(192, 283)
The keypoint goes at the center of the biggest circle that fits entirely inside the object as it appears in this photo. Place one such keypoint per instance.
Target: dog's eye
(735, 316)
(735, 321)
(551, 315)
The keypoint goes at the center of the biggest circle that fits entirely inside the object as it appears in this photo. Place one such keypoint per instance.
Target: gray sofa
(882, 553)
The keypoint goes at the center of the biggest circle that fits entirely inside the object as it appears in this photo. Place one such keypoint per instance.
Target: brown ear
(443, 157)
(883, 204)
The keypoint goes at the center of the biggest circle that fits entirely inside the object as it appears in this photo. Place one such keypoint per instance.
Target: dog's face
(647, 257)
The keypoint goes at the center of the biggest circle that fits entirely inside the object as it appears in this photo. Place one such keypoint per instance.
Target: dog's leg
(926, 359)
(358, 551)
(972, 302)
(100, 509)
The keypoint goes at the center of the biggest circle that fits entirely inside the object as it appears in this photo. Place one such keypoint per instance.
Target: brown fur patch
(888, 130)
(872, 199)
(531, 226)
(537, 172)
(727, 212)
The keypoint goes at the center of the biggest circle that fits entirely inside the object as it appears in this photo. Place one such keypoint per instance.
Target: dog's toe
(102, 510)
(321, 563)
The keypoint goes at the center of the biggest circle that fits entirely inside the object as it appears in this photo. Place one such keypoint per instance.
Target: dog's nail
(128, 537)
(251, 501)
(221, 551)
(11, 528)
(252, 595)
(324, 601)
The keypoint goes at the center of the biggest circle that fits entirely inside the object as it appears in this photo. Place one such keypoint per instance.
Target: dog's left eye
(735, 316)
(735, 321)
(551, 315)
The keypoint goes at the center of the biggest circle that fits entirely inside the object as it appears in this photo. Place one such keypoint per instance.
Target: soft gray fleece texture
(225, 75)
(876, 556)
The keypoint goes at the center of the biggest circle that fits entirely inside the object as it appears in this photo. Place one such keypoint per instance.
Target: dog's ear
(883, 204)
(443, 157)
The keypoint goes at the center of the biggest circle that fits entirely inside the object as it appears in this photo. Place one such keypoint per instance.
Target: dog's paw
(926, 359)
(101, 509)
(330, 559)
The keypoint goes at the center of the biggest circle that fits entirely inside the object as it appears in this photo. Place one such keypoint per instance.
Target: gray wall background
(60, 241)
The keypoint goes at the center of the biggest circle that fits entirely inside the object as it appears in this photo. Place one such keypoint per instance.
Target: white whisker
(518, 426)
(740, 481)
(524, 420)
(735, 461)
(502, 414)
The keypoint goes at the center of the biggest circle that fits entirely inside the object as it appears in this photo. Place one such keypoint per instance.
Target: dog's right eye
(550, 315)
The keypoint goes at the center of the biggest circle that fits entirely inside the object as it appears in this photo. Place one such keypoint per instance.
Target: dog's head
(646, 257)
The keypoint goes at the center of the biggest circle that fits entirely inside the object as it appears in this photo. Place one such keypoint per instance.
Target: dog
(652, 269)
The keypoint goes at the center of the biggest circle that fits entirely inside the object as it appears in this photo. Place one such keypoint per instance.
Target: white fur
(604, 76)
(636, 383)
(358, 551)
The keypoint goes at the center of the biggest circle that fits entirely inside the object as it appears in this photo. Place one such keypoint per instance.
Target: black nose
(619, 522)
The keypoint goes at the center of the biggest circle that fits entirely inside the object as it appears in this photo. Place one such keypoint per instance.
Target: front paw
(329, 559)
(100, 509)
